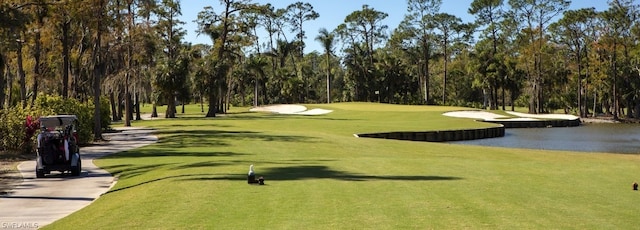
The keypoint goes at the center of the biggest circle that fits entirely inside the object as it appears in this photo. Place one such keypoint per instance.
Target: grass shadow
(173, 125)
(323, 172)
(212, 138)
(276, 116)
(230, 177)
(129, 170)
(201, 165)
(170, 152)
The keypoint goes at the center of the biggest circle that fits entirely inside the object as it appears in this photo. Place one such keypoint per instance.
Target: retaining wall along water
(441, 135)
(470, 134)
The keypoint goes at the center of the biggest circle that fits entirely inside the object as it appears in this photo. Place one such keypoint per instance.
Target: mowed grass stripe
(321, 177)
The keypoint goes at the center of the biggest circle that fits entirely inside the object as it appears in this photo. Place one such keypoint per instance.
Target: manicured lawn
(319, 176)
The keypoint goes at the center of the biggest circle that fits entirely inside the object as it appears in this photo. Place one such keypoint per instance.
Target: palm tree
(282, 52)
(326, 39)
(256, 65)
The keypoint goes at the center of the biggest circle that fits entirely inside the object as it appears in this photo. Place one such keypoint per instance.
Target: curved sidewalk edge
(37, 202)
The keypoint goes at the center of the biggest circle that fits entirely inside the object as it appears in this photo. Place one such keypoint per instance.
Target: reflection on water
(612, 138)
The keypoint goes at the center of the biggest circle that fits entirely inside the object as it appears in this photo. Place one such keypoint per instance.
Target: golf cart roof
(57, 120)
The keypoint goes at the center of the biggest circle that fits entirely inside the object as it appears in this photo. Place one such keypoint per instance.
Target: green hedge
(14, 125)
(59, 106)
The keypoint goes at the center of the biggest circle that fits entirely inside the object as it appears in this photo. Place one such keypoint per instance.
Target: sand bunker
(281, 109)
(482, 115)
(488, 116)
(315, 112)
(545, 116)
(290, 109)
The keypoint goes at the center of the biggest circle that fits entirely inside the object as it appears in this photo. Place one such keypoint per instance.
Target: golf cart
(58, 146)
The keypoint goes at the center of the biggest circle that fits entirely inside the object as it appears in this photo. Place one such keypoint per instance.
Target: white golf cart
(58, 146)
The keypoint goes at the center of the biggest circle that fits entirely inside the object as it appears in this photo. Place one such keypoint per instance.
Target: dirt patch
(9, 174)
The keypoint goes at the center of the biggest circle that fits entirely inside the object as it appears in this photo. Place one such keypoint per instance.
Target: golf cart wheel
(39, 173)
(75, 170)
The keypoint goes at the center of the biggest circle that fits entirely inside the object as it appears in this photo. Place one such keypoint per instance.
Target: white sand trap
(281, 109)
(315, 112)
(545, 116)
(290, 109)
(475, 114)
(488, 116)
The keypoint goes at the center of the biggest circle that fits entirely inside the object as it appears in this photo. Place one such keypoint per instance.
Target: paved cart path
(37, 202)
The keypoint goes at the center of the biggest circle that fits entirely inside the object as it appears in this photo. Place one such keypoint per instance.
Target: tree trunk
(98, 70)
(615, 87)
(222, 104)
(539, 69)
(328, 78)
(129, 108)
(120, 107)
(532, 99)
(595, 102)
(34, 91)
(137, 105)
(97, 76)
(494, 96)
(201, 103)
(154, 110)
(586, 85)
(541, 99)
(513, 98)
(171, 107)
(255, 93)
(485, 98)
(212, 105)
(3, 83)
(77, 72)
(21, 76)
(629, 108)
(580, 110)
(65, 58)
(444, 80)
(10, 78)
(426, 74)
(503, 93)
(36, 67)
(212, 94)
(114, 114)
(127, 102)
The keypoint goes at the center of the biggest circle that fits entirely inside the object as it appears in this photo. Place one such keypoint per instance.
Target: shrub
(12, 128)
(59, 106)
(105, 113)
(17, 132)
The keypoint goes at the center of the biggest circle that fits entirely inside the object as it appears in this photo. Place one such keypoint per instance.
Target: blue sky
(333, 12)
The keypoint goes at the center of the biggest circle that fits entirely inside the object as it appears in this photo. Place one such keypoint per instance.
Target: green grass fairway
(319, 176)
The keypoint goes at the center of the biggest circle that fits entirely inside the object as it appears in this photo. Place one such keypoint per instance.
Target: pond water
(611, 138)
